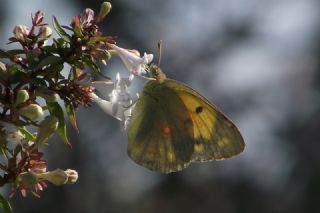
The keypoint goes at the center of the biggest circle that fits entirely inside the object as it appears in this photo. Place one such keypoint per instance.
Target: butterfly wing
(215, 137)
(157, 130)
(173, 125)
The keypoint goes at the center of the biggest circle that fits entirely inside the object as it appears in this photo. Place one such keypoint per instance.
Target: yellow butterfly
(173, 125)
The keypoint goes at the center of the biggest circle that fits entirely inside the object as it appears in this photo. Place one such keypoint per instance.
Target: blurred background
(256, 60)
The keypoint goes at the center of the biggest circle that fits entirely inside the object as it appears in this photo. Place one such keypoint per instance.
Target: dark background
(256, 60)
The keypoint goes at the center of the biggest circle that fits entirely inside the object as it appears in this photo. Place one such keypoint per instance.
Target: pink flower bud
(86, 17)
(38, 17)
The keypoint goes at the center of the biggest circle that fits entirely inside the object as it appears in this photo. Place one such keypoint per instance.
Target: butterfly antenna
(159, 51)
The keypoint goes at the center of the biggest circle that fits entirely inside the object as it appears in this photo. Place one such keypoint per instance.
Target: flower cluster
(35, 93)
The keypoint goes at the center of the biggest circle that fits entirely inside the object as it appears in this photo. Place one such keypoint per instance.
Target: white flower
(45, 32)
(3, 67)
(131, 58)
(72, 176)
(59, 177)
(119, 101)
(21, 32)
(12, 134)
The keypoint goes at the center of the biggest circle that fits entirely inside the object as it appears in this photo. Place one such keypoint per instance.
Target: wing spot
(166, 131)
(199, 109)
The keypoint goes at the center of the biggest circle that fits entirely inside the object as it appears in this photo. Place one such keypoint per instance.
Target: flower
(29, 182)
(81, 89)
(3, 67)
(60, 177)
(37, 18)
(28, 179)
(22, 96)
(45, 32)
(87, 17)
(119, 100)
(21, 32)
(12, 134)
(32, 111)
(104, 10)
(15, 137)
(29, 167)
(131, 58)
(72, 176)
(57, 177)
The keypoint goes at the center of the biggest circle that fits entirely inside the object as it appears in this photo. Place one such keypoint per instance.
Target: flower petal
(132, 60)
(119, 99)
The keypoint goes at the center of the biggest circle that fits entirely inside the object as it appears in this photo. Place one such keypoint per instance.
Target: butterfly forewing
(215, 136)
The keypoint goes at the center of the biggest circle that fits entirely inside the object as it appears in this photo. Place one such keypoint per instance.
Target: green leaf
(48, 95)
(50, 60)
(60, 44)
(16, 52)
(5, 205)
(54, 69)
(3, 143)
(39, 82)
(101, 54)
(65, 36)
(77, 31)
(92, 65)
(72, 116)
(51, 49)
(56, 110)
(17, 75)
(4, 54)
(3, 181)
(2, 150)
(94, 40)
(26, 133)
(32, 58)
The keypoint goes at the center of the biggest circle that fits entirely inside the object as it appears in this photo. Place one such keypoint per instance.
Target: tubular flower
(132, 59)
(118, 103)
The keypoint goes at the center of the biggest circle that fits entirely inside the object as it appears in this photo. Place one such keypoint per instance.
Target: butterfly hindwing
(173, 125)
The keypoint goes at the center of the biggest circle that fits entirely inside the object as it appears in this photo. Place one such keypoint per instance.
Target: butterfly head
(156, 73)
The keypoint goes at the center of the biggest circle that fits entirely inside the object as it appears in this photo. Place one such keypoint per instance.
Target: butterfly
(172, 126)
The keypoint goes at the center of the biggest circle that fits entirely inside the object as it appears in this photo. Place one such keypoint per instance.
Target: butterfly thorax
(157, 73)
